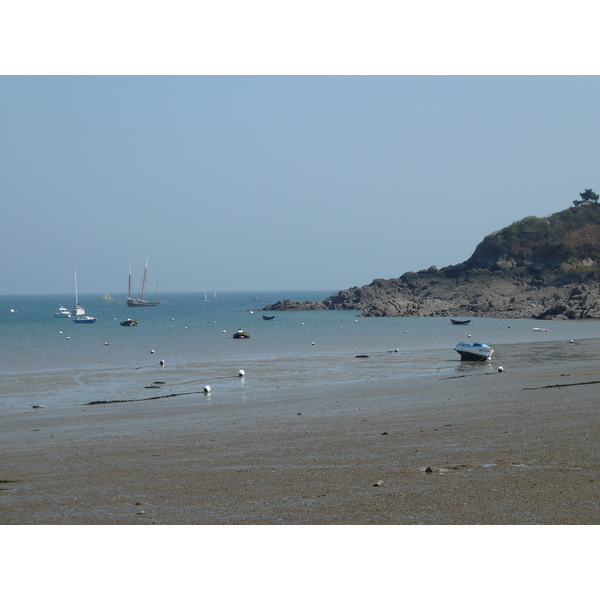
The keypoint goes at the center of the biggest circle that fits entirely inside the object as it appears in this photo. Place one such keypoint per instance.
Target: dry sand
(472, 447)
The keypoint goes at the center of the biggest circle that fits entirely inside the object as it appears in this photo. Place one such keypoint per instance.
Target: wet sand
(470, 447)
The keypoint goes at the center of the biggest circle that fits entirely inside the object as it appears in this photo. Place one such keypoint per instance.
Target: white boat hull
(474, 351)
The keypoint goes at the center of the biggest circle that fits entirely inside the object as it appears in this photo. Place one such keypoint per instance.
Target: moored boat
(266, 318)
(78, 310)
(62, 313)
(140, 301)
(129, 323)
(460, 321)
(240, 334)
(474, 351)
(84, 319)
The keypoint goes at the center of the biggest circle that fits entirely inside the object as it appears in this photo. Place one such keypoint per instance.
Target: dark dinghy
(268, 318)
(459, 322)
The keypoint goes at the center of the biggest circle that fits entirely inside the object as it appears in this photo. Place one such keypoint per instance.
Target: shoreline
(518, 447)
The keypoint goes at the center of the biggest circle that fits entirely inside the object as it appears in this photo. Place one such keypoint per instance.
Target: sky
(266, 180)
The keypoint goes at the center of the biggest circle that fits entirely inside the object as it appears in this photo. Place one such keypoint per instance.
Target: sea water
(47, 360)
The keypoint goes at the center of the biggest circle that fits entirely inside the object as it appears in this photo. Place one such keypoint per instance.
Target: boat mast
(144, 280)
(156, 293)
(76, 294)
(129, 286)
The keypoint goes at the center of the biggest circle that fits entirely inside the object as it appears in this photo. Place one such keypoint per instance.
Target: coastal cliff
(543, 268)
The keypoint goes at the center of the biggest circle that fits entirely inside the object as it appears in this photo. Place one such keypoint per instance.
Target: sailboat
(78, 310)
(106, 297)
(204, 296)
(215, 295)
(140, 301)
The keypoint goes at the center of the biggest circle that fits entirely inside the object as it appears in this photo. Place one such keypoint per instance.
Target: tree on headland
(587, 196)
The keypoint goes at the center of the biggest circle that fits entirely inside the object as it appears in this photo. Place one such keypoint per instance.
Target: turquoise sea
(51, 361)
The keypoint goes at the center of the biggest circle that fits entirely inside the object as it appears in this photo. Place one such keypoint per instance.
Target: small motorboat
(62, 313)
(474, 351)
(266, 318)
(129, 323)
(460, 322)
(240, 334)
(540, 329)
(84, 319)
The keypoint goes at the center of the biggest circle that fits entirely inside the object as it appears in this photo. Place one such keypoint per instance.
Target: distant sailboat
(78, 310)
(106, 297)
(140, 301)
(215, 295)
(204, 296)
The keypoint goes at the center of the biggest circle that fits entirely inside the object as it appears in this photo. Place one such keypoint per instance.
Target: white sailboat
(204, 296)
(78, 310)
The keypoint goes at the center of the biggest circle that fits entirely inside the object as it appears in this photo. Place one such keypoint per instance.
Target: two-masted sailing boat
(140, 301)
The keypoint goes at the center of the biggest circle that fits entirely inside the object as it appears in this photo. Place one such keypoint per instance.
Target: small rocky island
(541, 268)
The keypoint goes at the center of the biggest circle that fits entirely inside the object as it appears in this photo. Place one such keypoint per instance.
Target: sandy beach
(471, 447)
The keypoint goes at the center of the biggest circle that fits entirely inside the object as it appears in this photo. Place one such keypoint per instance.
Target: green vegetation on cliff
(545, 268)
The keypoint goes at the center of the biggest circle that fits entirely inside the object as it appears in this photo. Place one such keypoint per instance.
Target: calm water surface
(56, 361)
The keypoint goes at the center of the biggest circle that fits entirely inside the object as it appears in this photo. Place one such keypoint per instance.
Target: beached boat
(62, 313)
(78, 310)
(129, 323)
(266, 318)
(84, 319)
(474, 351)
(140, 301)
(460, 322)
(240, 334)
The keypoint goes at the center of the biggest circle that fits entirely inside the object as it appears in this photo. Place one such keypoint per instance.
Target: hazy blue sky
(281, 182)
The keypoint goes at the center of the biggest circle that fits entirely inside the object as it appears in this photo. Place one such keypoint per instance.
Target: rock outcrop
(535, 268)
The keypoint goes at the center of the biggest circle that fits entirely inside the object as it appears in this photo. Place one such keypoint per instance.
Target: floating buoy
(500, 370)
(162, 363)
(241, 373)
(107, 343)
(469, 335)
(312, 343)
(571, 342)
(68, 338)
(60, 332)
(356, 320)
(301, 323)
(12, 310)
(185, 327)
(151, 351)
(341, 327)
(207, 389)
(405, 331)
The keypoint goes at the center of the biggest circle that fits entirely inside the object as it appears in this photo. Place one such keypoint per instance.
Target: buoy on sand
(162, 363)
(241, 373)
(500, 370)
(207, 389)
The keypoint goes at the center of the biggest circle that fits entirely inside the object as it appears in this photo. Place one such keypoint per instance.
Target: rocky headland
(542, 268)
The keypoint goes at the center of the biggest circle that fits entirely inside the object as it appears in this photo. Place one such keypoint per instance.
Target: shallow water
(56, 362)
